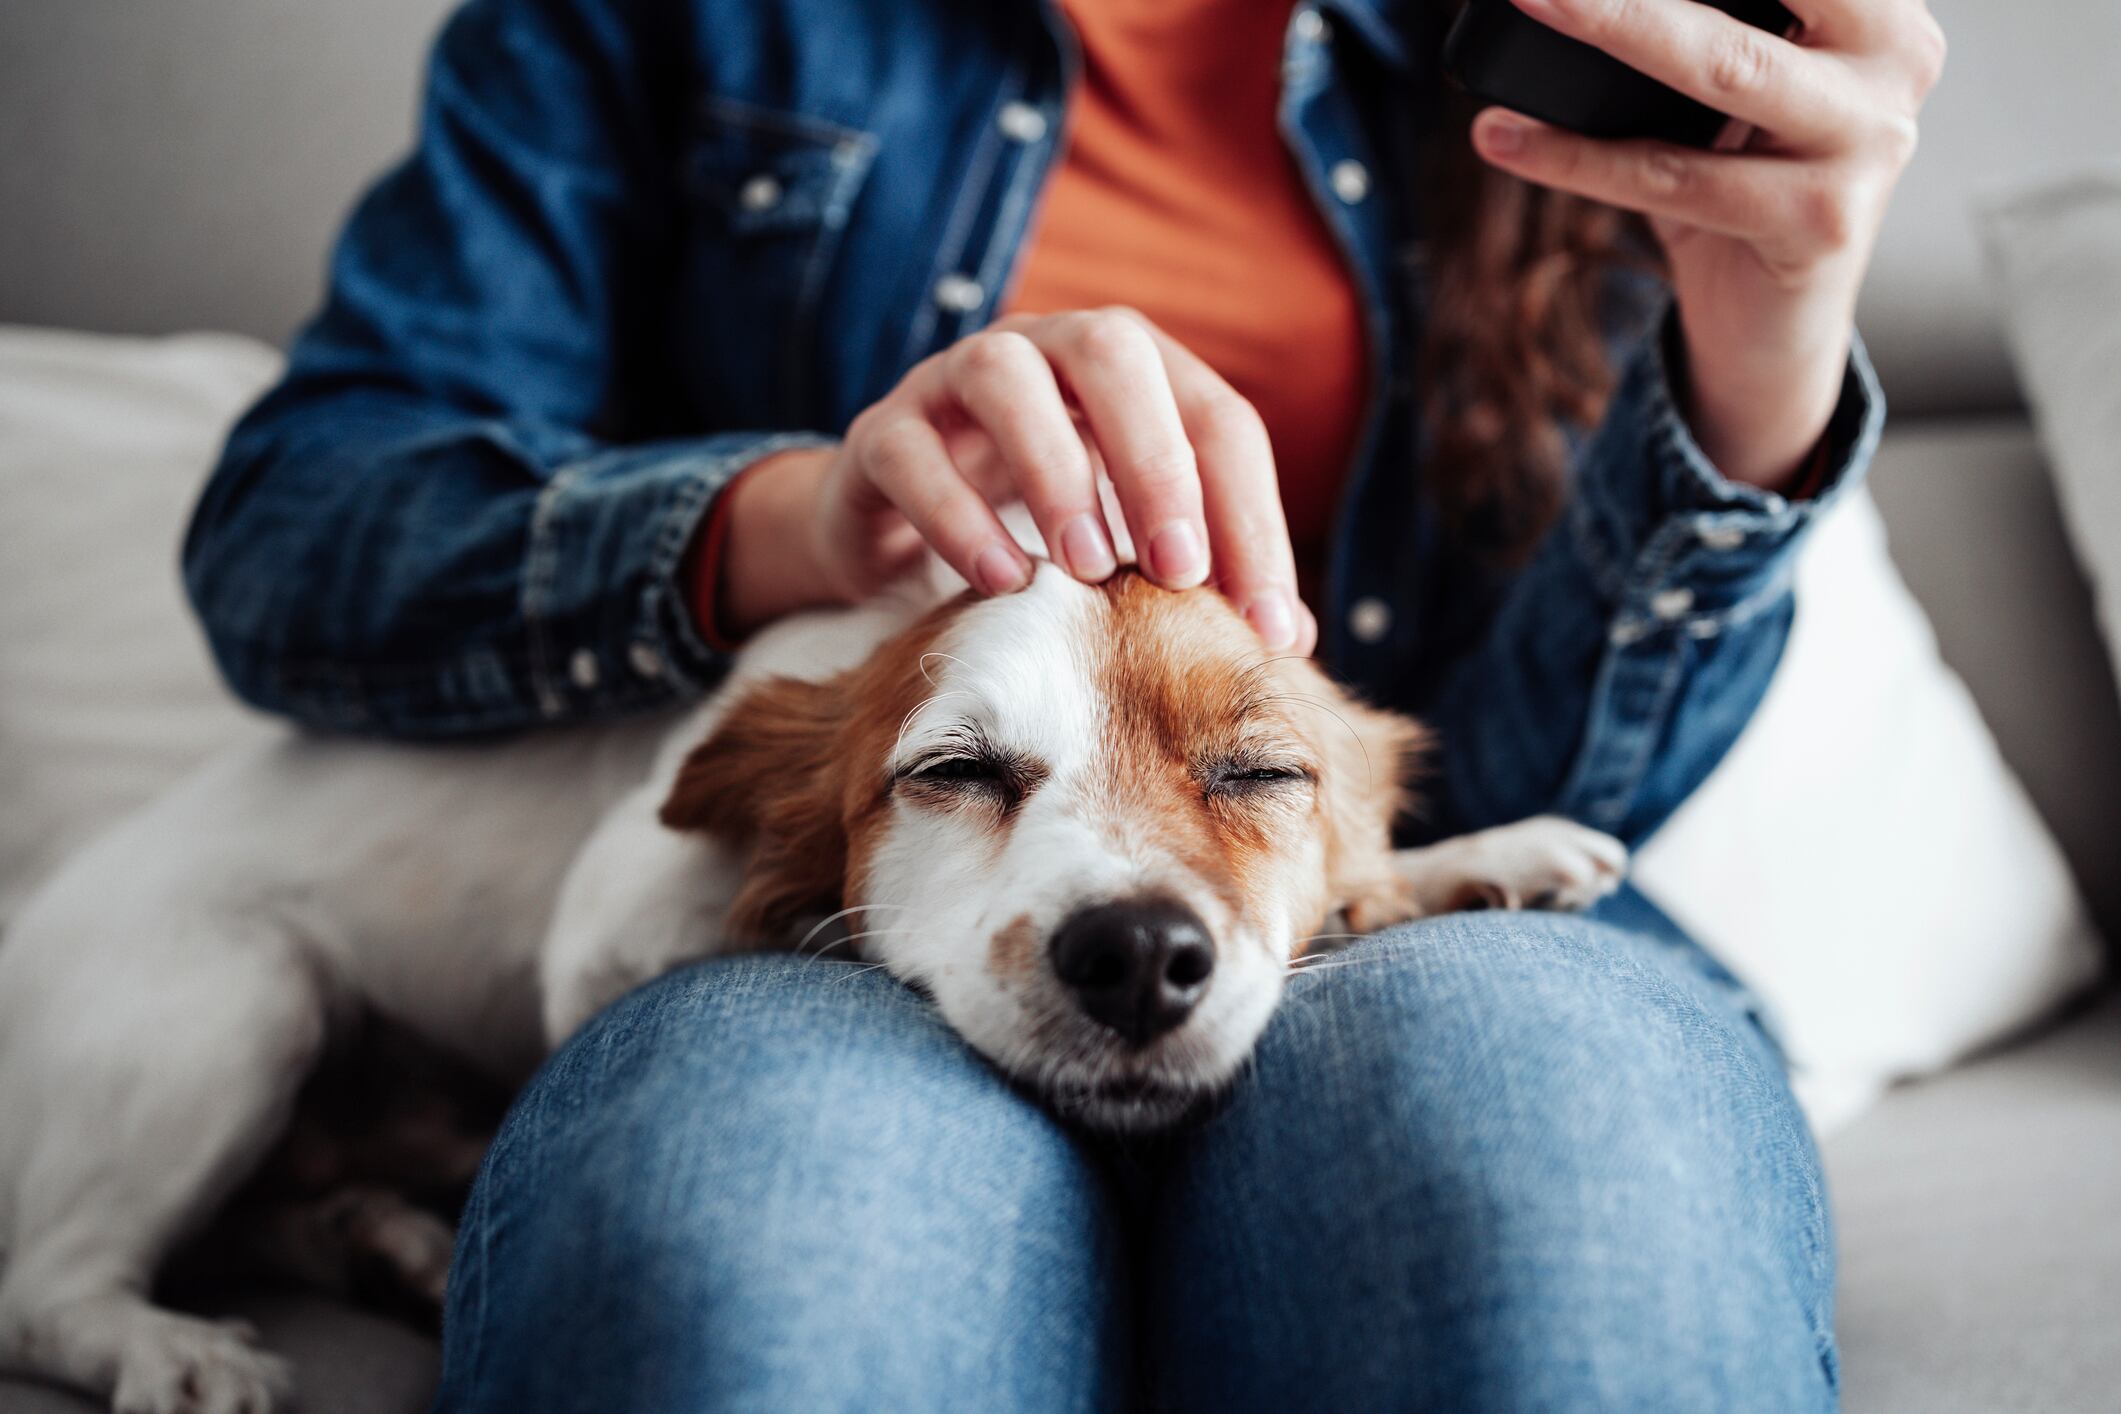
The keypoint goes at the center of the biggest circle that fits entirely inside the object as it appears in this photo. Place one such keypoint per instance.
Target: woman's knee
(743, 1180)
(1492, 1152)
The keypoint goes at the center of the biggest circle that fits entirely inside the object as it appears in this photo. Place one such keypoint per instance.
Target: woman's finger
(898, 450)
(1003, 383)
(1855, 25)
(1248, 535)
(1112, 366)
(1808, 101)
(1790, 208)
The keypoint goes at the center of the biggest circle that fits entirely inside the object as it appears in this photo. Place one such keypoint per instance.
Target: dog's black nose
(1136, 965)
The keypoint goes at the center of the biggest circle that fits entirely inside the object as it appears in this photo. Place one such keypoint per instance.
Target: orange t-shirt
(1176, 194)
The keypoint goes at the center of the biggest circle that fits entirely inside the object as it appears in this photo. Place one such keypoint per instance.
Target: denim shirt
(642, 243)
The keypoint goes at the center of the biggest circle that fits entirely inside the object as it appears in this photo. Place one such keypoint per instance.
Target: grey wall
(171, 164)
(181, 164)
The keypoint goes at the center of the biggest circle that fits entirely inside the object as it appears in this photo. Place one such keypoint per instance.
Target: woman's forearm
(1758, 397)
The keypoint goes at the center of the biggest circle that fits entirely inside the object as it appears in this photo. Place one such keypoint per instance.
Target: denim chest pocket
(767, 195)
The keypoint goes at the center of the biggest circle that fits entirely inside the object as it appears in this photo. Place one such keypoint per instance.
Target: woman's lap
(770, 1184)
(1499, 1162)
(1506, 1159)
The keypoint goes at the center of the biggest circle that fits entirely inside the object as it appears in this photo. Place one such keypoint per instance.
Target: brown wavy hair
(1514, 350)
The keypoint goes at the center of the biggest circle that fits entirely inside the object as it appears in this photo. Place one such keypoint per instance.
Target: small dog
(1094, 824)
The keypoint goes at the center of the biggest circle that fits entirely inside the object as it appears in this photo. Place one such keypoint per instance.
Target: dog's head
(1092, 823)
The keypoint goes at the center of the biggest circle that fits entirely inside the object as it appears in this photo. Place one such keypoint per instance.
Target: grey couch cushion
(1977, 535)
(1980, 1221)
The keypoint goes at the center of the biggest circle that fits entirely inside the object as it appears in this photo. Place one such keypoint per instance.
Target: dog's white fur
(164, 996)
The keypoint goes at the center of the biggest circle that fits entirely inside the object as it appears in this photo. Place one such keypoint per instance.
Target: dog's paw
(1546, 863)
(413, 1244)
(172, 1364)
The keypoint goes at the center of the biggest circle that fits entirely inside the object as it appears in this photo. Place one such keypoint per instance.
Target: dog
(1097, 825)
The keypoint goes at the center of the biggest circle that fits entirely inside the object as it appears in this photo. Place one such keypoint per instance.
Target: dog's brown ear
(768, 781)
(1371, 755)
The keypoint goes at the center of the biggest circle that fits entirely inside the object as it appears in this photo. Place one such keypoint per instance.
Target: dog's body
(1013, 794)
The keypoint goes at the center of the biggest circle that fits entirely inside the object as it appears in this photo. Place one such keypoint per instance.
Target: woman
(683, 317)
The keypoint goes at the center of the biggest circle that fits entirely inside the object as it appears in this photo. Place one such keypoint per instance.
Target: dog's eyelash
(959, 768)
(1239, 777)
(999, 772)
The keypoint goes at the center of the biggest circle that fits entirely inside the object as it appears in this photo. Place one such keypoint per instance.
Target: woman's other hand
(1031, 409)
(1768, 241)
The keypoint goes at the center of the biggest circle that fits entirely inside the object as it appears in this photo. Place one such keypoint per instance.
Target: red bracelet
(706, 562)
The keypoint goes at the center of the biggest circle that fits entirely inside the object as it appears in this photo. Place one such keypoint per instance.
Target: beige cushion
(1863, 857)
(106, 690)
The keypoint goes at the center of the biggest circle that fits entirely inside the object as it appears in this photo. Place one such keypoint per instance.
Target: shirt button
(1020, 122)
(645, 661)
(582, 667)
(1369, 620)
(960, 294)
(1670, 604)
(761, 193)
(1311, 27)
(1351, 180)
(1721, 537)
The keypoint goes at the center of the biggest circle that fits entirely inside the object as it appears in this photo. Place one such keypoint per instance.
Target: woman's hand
(1767, 238)
(1032, 409)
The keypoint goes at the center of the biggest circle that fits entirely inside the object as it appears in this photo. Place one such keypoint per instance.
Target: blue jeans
(1494, 1161)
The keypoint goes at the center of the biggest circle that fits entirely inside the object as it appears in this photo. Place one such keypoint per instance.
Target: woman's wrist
(766, 569)
(1759, 406)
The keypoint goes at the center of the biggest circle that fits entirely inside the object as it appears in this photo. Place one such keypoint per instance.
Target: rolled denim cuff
(604, 594)
(1673, 543)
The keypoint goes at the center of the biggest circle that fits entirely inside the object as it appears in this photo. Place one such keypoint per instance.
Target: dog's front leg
(639, 900)
(1546, 862)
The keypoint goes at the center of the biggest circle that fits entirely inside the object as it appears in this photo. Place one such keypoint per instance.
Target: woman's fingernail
(1084, 547)
(1271, 619)
(998, 571)
(1176, 557)
(1503, 135)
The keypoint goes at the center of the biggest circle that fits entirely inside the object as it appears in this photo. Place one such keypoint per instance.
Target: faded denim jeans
(1483, 1162)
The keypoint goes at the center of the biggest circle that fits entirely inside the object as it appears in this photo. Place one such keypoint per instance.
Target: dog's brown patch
(796, 774)
(1013, 953)
(1191, 692)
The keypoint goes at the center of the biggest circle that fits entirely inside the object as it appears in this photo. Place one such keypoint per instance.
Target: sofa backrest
(180, 166)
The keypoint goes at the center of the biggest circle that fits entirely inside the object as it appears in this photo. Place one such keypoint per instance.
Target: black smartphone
(1500, 54)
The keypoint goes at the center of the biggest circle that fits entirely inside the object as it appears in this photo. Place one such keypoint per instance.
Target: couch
(182, 167)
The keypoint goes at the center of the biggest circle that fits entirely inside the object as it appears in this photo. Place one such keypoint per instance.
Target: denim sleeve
(1627, 657)
(454, 514)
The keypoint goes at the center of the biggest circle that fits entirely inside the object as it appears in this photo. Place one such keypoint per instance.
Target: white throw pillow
(107, 695)
(1863, 858)
(2056, 254)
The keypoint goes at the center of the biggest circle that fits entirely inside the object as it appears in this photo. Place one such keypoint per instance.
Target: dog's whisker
(826, 922)
(1330, 966)
(926, 702)
(1313, 699)
(1299, 964)
(948, 657)
(876, 933)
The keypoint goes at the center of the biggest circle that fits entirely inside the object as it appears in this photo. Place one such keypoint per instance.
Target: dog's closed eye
(1244, 777)
(985, 772)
